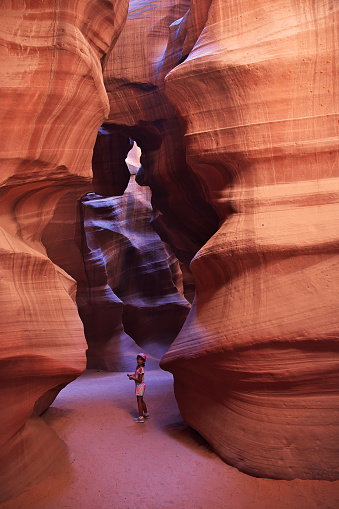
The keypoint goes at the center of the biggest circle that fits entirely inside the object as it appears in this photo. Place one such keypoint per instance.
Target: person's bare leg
(140, 405)
(144, 407)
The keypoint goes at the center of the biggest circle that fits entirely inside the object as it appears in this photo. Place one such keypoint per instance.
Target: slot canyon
(169, 184)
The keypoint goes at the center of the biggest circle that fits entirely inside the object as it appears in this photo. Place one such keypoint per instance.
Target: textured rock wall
(66, 245)
(253, 152)
(133, 280)
(52, 104)
(256, 363)
(129, 285)
(133, 75)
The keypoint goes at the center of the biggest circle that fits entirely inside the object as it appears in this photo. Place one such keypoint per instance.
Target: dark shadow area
(57, 415)
(187, 436)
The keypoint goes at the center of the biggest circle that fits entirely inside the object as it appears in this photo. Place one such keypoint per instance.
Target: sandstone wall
(130, 292)
(256, 363)
(127, 259)
(240, 152)
(52, 104)
(134, 79)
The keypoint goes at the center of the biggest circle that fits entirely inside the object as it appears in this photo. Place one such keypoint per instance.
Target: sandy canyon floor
(159, 464)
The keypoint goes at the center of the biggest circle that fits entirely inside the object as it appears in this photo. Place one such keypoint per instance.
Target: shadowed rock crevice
(182, 217)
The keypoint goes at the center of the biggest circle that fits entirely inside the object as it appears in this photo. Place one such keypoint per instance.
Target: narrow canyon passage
(159, 464)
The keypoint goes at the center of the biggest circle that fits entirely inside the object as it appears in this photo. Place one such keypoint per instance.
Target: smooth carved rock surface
(65, 240)
(52, 104)
(256, 363)
(133, 76)
(129, 285)
(134, 284)
(110, 171)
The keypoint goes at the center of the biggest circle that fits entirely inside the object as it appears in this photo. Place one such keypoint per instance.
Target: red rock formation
(138, 108)
(129, 285)
(132, 280)
(256, 363)
(65, 240)
(110, 171)
(53, 102)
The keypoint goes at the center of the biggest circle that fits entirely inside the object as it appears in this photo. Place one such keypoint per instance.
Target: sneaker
(139, 419)
(147, 416)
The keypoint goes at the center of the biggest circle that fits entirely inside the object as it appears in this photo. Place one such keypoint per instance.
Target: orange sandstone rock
(134, 282)
(53, 102)
(133, 78)
(256, 363)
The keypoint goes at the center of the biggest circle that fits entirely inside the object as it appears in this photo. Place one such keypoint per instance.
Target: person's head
(141, 359)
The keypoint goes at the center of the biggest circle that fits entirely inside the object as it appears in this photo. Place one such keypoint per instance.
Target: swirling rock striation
(129, 285)
(53, 102)
(65, 241)
(256, 363)
(134, 282)
(133, 77)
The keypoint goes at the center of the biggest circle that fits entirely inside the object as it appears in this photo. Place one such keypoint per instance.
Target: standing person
(140, 387)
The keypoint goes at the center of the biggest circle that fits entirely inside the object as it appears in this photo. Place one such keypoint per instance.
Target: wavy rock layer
(133, 76)
(65, 240)
(53, 101)
(129, 285)
(134, 277)
(256, 363)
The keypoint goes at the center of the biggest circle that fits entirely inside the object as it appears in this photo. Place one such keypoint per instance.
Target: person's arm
(138, 379)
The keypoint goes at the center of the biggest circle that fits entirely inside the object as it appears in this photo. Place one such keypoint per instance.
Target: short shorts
(140, 389)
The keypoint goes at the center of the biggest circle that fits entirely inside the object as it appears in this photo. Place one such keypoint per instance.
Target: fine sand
(159, 464)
